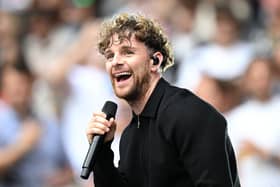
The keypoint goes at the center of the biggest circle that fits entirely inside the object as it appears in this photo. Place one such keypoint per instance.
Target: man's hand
(100, 125)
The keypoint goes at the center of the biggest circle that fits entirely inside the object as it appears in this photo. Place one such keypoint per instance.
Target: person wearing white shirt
(255, 131)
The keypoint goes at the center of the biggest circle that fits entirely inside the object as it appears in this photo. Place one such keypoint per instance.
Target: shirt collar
(151, 106)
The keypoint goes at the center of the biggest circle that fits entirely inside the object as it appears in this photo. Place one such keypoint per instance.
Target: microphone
(110, 109)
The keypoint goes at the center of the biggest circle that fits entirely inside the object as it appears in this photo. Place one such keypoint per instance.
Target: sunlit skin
(133, 76)
(131, 70)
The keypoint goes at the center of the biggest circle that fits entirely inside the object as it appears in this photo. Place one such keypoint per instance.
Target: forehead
(119, 42)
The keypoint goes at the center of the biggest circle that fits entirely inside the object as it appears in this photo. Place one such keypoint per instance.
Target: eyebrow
(128, 47)
(122, 48)
(107, 51)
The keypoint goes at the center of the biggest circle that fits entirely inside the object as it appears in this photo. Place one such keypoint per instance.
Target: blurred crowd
(52, 79)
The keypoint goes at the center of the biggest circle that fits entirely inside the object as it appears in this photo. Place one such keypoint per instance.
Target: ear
(156, 60)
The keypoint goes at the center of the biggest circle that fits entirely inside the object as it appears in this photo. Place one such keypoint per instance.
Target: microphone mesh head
(110, 109)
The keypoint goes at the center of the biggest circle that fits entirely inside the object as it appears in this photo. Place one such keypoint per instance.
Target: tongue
(123, 78)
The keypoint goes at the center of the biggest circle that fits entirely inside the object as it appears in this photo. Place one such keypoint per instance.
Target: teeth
(122, 74)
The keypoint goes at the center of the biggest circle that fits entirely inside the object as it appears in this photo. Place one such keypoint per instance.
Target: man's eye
(109, 56)
(129, 52)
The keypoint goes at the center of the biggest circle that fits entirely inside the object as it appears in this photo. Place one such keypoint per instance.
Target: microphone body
(110, 109)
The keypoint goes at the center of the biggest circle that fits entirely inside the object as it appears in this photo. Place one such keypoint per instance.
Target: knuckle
(88, 131)
(105, 129)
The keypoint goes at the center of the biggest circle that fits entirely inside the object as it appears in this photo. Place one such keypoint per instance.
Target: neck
(138, 105)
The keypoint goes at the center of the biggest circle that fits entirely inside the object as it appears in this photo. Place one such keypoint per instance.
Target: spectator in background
(225, 58)
(53, 27)
(46, 38)
(31, 153)
(223, 95)
(254, 128)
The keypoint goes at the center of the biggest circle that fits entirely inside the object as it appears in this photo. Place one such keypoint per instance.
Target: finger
(101, 119)
(89, 138)
(101, 126)
(112, 122)
(90, 132)
(101, 114)
(95, 131)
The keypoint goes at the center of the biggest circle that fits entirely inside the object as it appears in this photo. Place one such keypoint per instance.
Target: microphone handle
(96, 144)
(110, 109)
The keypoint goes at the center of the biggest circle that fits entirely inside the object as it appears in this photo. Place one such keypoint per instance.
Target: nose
(117, 60)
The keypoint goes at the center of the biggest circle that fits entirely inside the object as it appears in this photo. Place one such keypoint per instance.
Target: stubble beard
(138, 90)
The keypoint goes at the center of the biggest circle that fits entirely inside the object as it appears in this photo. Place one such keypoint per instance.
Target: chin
(121, 93)
(128, 95)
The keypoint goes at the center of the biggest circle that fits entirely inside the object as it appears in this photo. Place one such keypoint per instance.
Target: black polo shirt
(177, 141)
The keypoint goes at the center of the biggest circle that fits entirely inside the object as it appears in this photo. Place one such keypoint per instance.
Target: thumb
(111, 133)
(112, 122)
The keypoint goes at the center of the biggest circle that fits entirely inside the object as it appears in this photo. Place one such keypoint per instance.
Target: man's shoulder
(182, 111)
(183, 104)
(176, 92)
(177, 97)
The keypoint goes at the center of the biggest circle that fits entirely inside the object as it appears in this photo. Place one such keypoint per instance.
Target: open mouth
(122, 76)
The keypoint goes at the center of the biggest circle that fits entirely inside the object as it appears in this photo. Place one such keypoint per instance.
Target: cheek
(108, 69)
(143, 68)
(140, 73)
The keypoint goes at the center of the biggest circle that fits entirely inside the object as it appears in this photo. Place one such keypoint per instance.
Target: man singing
(174, 138)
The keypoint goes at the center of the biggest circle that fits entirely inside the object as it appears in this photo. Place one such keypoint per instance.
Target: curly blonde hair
(145, 30)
